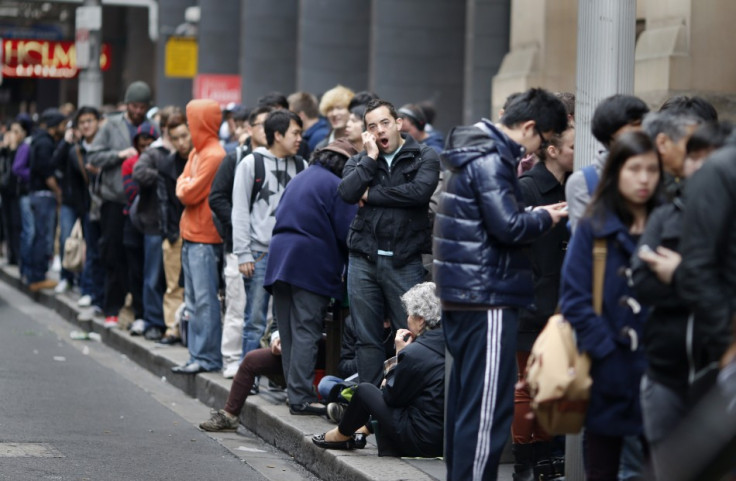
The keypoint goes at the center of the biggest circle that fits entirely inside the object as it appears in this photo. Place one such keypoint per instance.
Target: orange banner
(44, 58)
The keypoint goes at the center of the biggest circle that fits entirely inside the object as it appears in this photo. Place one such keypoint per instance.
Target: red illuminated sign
(224, 89)
(44, 58)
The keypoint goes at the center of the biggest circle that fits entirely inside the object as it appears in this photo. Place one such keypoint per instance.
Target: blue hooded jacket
(481, 228)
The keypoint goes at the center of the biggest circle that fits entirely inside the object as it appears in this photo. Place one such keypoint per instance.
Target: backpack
(260, 174)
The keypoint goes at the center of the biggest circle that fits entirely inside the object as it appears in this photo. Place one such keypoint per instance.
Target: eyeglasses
(256, 124)
(544, 141)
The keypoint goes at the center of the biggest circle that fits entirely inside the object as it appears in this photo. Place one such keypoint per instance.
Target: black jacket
(396, 216)
(74, 191)
(481, 230)
(540, 187)
(42, 160)
(671, 357)
(221, 195)
(145, 174)
(417, 387)
(170, 209)
(706, 278)
(8, 180)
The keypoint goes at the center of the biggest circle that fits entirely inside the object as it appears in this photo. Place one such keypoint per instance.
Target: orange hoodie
(194, 183)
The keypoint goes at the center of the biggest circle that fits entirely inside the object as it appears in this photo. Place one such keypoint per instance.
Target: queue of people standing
(202, 216)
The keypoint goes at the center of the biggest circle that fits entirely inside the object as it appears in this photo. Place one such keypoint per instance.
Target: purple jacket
(21, 164)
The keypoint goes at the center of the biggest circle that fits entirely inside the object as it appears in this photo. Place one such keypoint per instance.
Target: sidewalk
(265, 414)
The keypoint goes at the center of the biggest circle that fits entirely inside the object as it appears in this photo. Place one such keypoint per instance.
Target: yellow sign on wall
(181, 57)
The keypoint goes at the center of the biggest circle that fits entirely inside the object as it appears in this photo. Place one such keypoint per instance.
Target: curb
(267, 419)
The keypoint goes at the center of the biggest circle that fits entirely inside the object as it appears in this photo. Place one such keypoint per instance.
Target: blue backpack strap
(591, 178)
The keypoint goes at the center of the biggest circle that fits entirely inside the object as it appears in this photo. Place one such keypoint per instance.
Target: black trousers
(11, 227)
(133, 242)
(368, 401)
(112, 254)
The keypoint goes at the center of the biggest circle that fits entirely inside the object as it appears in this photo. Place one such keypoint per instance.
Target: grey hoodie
(576, 190)
(252, 228)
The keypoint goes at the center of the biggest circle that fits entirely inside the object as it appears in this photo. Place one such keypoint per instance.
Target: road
(77, 410)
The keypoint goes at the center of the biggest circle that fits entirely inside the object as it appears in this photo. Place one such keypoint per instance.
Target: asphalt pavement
(78, 410)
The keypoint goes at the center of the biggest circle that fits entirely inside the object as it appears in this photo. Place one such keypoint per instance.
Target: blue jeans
(326, 384)
(67, 217)
(26, 234)
(44, 223)
(153, 281)
(375, 291)
(201, 280)
(256, 305)
(92, 281)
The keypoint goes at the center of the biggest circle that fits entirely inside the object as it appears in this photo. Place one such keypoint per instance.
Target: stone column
(605, 64)
(486, 43)
(416, 54)
(333, 44)
(170, 91)
(268, 35)
(542, 49)
(219, 29)
(685, 49)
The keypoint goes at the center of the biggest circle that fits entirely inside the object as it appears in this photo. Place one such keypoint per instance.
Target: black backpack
(260, 174)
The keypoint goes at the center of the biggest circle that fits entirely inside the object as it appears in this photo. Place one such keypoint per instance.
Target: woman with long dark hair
(626, 195)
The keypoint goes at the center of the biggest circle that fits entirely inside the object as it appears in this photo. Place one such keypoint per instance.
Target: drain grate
(28, 450)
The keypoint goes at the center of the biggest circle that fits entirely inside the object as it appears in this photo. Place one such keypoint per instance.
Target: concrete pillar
(416, 53)
(542, 50)
(605, 64)
(140, 53)
(170, 90)
(219, 28)
(268, 36)
(333, 44)
(486, 43)
(684, 50)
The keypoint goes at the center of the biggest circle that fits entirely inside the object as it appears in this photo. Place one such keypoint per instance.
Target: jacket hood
(466, 143)
(204, 122)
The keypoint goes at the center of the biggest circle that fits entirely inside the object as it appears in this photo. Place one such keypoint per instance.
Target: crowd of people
(234, 231)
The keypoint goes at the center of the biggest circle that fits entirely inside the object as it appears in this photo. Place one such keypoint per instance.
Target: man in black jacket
(45, 197)
(392, 180)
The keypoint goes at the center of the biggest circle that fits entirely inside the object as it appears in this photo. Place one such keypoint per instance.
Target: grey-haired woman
(409, 407)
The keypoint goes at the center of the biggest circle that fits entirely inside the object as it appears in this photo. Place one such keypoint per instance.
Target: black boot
(523, 462)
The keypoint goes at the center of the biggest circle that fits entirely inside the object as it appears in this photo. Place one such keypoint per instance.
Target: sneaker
(62, 287)
(85, 301)
(230, 370)
(153, 333)
(138, 327)
(44, 284)
(220, 421)
(335, 412)
(111, 321)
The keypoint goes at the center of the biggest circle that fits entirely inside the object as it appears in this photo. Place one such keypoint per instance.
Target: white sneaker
(230, 370)
(85, 301)
(62, 287)
(138, 327)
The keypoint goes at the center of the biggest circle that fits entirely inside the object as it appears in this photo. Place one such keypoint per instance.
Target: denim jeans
(375, 290)
(44, 221)
(67, 217)
(256, 305)
(153, 281)
(201, 280)
(92, 280)
(663, 409)
(26, 234)
(326, 384)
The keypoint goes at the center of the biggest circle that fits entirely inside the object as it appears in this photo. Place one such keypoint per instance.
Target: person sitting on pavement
(409, 407)
(258, 362)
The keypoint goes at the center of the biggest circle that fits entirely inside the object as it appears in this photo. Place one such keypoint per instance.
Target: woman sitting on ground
(410, 406)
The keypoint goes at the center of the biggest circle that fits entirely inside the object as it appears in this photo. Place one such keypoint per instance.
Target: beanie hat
(341, 146)
(148, 129)
(52, 117)
(138, 91)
